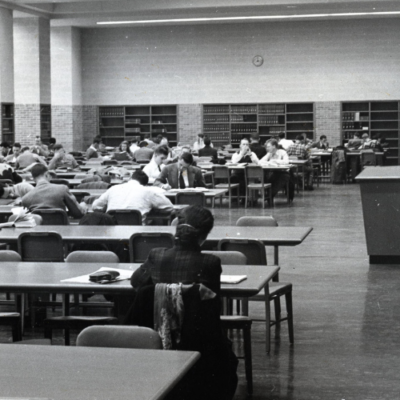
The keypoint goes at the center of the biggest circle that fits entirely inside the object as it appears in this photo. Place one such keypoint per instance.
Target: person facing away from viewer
(283, 142)
(49, 195)
(61, 159)
(94, 150)
(133, 195)
(354, 143)
(199, 143)
(26, 160)
(256, 147)
(156, 164)
(207, 150)
(39, 148)
(180, 175)
(144, 153)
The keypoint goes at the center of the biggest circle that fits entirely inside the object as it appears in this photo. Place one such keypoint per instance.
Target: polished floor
(346, 312)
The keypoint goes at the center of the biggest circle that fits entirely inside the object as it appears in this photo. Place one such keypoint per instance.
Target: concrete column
(66, 87)
(31, 74)
(6, 61)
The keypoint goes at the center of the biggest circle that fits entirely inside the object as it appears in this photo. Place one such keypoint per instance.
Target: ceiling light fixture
(258, 17)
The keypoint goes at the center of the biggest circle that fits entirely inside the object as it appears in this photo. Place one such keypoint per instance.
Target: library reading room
(241, 161)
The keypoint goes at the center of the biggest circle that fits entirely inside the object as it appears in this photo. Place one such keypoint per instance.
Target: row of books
(215, 109)
(244, 109)
(216, 118)
(219, 136)
(111, 112)
(269, 120)
(215, 128)
(271, 108)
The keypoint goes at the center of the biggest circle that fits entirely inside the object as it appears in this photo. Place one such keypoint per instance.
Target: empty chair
(368, 158)
(191, 198)
(52, 216)
(124, 337)
(126, 217)
(222, 173)
(229, 257)
(92, 257)
(255, 183)
(140, 244)
(40, 246)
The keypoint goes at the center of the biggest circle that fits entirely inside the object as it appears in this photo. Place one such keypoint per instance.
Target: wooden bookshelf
(118, 123)
(229, 123)
(373, 117)
(45, 122)
(7, 123)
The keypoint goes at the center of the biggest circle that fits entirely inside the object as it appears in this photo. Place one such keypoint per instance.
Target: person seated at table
(49, 195)
(256, 147)
(39, 148)
(378, 143)
(180, 175)
(276, 157)
(16, 191)
(61, 159)
(12, 158)
(155, 166)
(354, 143)
(199, 143)
(133, 195)
(5, 150)
(214, 376)
(133, 146)
(207, 150)
(306, 141)
(322, 144)
(366, 142)
(283, 142)
(144, 153)
(7, 172)
(299, 150)
(94, 150)
(26, 160)
(52, 143)
(122, 153)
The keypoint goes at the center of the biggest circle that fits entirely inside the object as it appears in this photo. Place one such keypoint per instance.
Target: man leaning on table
(133, 195)
(180, 175)
(49, 195)
(156, 164)
(61, 159)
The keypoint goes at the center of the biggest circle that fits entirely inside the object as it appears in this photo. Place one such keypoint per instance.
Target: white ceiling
(86, 13)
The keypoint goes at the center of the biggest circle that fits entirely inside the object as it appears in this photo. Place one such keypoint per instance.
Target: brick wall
(90, 125)
(27, 123)
(190, 123)
(327, 121)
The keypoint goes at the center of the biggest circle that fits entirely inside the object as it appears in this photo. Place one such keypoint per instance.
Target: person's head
(134, 140)
(5, 191)
(272, 146)
(200, 135)
(52, 140)
(160, 154)
(356, 135)
(164, 141)
(16, 148)
(194, 225)
(4, 145)
(141, 177)
(304, 136)
(39, 171)
(157, 139)
(322, 139)
(58, 148)
(207, 141)
(299, 138)
(143, 144)
(281, 135)
(38, 141)
(365, 137)
(186, 149)
(123, 146)
(24, 149)
(244, 144)
(185, 160)
(254, 137)
(96, 143)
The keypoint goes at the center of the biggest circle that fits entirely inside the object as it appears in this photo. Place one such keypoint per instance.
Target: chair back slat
(197, 199)
(229, 257)
(126, 217)
(257, 221)
(43, 246)
(254, 250)
(92, 257)
(141, 244)
(52, 216)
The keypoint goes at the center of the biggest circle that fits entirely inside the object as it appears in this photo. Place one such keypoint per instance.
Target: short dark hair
(187, 157)
(194, 223)
(17, 145)
(273, 142)
(24, 149)
(162, 150)
(141, 177)
(300, 137)
(357, 134)
(38, 170)
(207, 141)
(322, 137)
(143, 144)
(255, 136)
(4, 144)
(52, 140)
(58, 147)
(96, 141)
(282, 135)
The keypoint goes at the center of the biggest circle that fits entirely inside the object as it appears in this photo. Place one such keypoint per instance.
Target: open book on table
(23, 219)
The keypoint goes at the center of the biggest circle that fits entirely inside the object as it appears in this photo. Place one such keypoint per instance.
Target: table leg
(65, 306)
(267, 319)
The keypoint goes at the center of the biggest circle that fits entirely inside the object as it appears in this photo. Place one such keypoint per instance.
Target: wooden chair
(254, 250)
(222, 173)
(41, 246)
(140, 244)
(123, 337)
(92, 257)
(52, 216)
(368, 158)
(126, 217)
(191, 198)
(254, 176)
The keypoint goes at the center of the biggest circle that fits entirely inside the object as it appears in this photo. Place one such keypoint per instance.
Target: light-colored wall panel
(6, 56)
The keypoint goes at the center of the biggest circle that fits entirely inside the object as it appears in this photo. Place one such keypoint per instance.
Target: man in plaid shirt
(299, 150)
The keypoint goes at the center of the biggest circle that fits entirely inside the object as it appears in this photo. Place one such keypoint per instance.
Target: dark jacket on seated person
(208, 151)
(170, 175)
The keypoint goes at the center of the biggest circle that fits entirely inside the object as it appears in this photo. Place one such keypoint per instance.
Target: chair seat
(275, 289)
(226, 185)
(10, 315)
(235, 321)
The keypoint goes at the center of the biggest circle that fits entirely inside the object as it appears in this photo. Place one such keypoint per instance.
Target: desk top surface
(24, 277)
(58, 372)
(281, 236)
(378, 173)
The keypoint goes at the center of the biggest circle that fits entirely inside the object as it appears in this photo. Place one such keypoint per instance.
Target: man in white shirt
(283, 142)
(155, 166)
(133, 147)
(133, 195)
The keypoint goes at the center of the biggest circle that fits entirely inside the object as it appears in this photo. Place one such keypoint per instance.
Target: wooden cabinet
(229, 123)
(7, 123)
(45, 122)
(118, 123)
(373, 117)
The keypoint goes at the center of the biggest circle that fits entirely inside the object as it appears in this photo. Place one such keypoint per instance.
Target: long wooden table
(65, 373)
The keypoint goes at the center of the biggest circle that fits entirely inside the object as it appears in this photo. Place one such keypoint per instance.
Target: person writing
(61, 159)
(155, 166)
